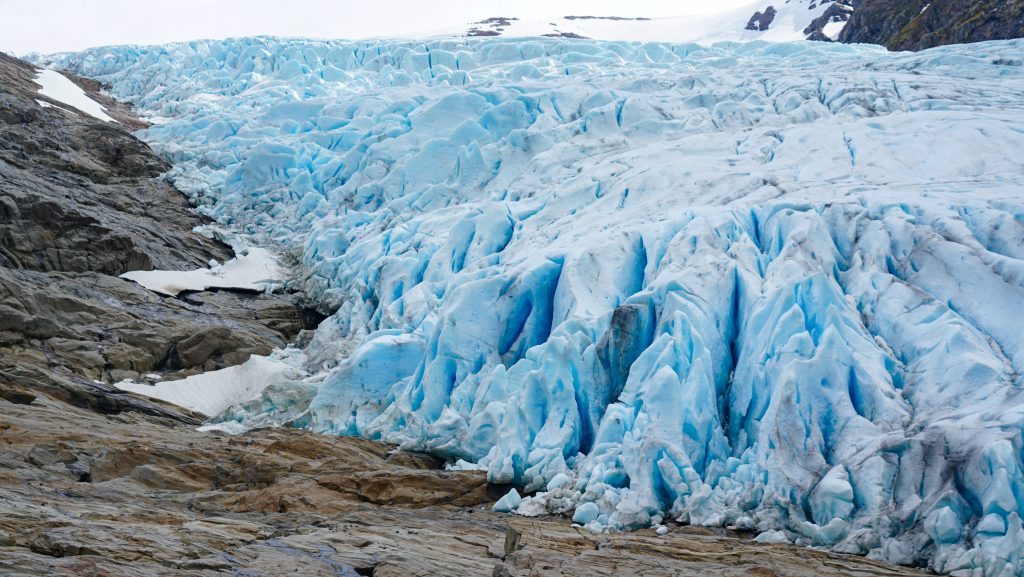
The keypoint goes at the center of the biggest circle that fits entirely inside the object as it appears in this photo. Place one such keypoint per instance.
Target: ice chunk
(508, 503)
(586, 513)
(832, 498)
(943, 526)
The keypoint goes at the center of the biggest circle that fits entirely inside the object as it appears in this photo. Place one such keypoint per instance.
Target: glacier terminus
(775, 287)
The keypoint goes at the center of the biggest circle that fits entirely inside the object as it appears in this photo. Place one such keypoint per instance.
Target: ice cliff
(770, 286)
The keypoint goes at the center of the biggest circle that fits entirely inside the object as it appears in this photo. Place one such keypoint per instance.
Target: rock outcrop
(920, 24)
(901, 24)
(762, 20)
(836, 12)
(82, 195)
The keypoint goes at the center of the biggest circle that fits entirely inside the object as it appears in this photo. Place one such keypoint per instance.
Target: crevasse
(770, 286)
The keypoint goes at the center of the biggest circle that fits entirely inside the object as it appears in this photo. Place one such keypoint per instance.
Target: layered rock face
(82, 195)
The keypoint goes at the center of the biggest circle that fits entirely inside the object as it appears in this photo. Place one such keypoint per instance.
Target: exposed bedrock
(920, 24)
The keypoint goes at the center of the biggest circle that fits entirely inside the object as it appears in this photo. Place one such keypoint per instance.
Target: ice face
(770, 286)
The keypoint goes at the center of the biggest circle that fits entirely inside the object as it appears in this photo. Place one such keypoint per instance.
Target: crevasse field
(771, 286)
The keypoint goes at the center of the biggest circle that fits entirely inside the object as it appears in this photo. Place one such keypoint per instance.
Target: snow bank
(57, 86)
(214, 392)
(769, 286)
(252, 269)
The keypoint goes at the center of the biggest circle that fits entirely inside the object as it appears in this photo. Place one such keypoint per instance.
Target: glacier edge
(726, 285)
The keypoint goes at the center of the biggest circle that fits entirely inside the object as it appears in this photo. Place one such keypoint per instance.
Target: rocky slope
(896, 24)
(903, 24)
(920, 24)
(94, 481)
(82, 201)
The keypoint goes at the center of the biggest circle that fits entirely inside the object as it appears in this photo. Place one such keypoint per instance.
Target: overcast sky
(61, 25)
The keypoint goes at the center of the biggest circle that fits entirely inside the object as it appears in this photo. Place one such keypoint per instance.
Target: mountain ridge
(895, 24)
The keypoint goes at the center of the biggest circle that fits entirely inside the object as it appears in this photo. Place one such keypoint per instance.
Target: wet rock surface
(81, 195)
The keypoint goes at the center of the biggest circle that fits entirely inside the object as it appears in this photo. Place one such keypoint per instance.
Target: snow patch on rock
(58, 87)
(213, 392)
(253, 268)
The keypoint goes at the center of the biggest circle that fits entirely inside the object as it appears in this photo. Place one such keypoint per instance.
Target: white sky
(63, 25)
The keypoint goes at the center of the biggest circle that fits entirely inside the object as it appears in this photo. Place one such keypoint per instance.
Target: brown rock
(196, 349)
(126, 357)
(165, 499)
(411, 487)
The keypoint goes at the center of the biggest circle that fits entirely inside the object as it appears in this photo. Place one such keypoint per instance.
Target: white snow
(832, 29)
(58, 87)
(775, 286)
(213, 392)
(729, 25)
(253, 268)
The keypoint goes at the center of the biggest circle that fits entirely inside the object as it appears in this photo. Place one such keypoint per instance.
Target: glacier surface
(770, 286)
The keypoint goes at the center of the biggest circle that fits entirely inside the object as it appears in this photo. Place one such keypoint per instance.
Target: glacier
(777, 287)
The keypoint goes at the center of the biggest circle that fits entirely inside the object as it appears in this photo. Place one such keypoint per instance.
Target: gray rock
(194, 350)
(762, 20)
(838, 11)
(78, 194)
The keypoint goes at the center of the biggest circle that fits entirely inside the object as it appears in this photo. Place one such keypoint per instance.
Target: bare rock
(411, 487)
(761, 21)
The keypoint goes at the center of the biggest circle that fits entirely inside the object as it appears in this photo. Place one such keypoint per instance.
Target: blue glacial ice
(769, 286)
